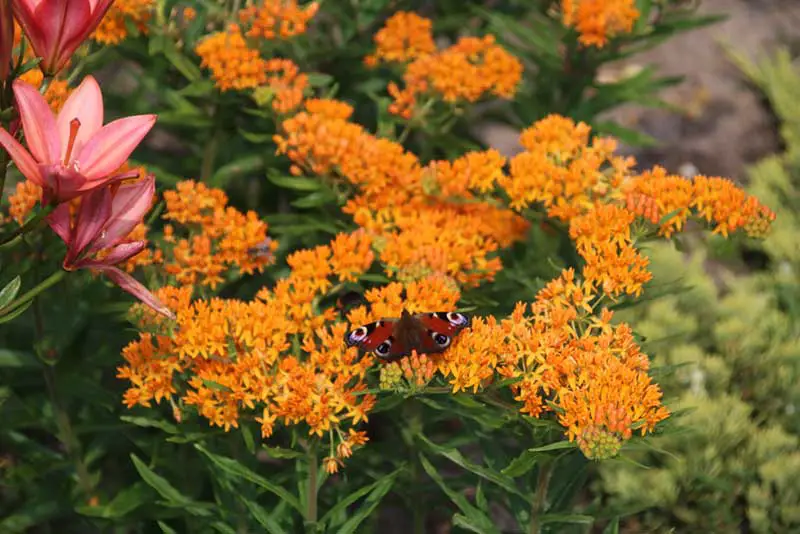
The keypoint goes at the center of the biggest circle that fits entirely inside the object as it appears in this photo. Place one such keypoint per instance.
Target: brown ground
(724, 124)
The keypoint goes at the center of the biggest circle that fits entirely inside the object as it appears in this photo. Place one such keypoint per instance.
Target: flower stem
(539, 500)
(29, 225)
(211, 148)
(34, 292)
(311, 496)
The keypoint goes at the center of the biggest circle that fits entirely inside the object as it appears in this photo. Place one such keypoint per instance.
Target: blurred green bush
(731, 341)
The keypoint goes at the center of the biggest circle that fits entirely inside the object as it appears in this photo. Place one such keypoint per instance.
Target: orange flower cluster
(25, 197)
(277, 19)
(567, 358)
(417, 231)
(405, 37)
(234, 65)
(598, 20)
(286, 84)
(466, 71)
(654, 195)
(279, 356)
(212, 237)
(113, 29)
(581, 182)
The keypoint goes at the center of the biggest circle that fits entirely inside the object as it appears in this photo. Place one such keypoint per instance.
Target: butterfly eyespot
(456, 318)
(358, 335)
(440, 339)
(384, 348)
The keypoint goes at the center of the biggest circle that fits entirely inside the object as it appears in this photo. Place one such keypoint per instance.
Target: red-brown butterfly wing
(440, 328)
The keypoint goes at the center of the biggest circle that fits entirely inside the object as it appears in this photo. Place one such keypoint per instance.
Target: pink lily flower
(56, 28)
(72, 153)
(95, 235)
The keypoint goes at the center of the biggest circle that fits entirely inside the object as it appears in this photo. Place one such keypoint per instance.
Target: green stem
(29, 225)
(539, 500)
(311, 497)
(412, 412)
(33, 293)
(211, 148)
(66, 435)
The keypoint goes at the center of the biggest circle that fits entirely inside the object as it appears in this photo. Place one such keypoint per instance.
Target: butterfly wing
(378, 338)
(440, 329)
(392, 339)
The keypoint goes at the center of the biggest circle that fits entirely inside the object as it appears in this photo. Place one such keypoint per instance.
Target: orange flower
(25, 198)
(217, 237)
(467, 71)
(404, 37)
(287, 84)
(277, 19)
(113, 29)
(233, 64)
(599, 20)
(602, 237)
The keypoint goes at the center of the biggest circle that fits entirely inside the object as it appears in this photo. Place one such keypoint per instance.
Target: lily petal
(85, 104)
(92, 217)
(118, 254)
(109, 148)
(61, 183)
(38, 123)
(128, 283)
(59, 221)
(129, 206)
(26, 163)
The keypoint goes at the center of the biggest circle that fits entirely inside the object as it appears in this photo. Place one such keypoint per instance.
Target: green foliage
(735, 339)
(74, 459)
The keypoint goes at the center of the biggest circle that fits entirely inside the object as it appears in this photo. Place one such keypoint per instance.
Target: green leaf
(263, 518)
(315, 199)
(476, 520)
(521, 464)
(150, 423)
(242, 166)
(319, 79)
(255, 137)
(578, 519)
(376, 492)
(298, 183)
(17, 358)
(16, 312)
(8, 293)
(222, 527)
(612, 527)
(124, 503)
(235, 469)
(166, 529)
(486, 473)
(280, 452)
(183, 64)
(342, 504)
(557, 446)
(173, 496)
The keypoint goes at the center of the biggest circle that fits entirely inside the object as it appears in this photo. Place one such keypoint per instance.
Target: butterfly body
(392, 339)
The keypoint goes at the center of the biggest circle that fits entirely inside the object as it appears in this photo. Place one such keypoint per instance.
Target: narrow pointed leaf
(235, 469)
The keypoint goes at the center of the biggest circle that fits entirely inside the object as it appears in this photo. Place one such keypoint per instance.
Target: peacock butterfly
(392, 339)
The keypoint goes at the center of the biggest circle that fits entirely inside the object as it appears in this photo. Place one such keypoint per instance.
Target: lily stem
(539, 500)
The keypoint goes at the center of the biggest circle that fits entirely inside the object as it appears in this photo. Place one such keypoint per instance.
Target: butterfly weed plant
(303, 152)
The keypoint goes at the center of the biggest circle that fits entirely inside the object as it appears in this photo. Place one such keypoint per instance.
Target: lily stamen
(74, 126)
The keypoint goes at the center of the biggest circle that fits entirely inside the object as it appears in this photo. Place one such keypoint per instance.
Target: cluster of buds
(412, 373)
